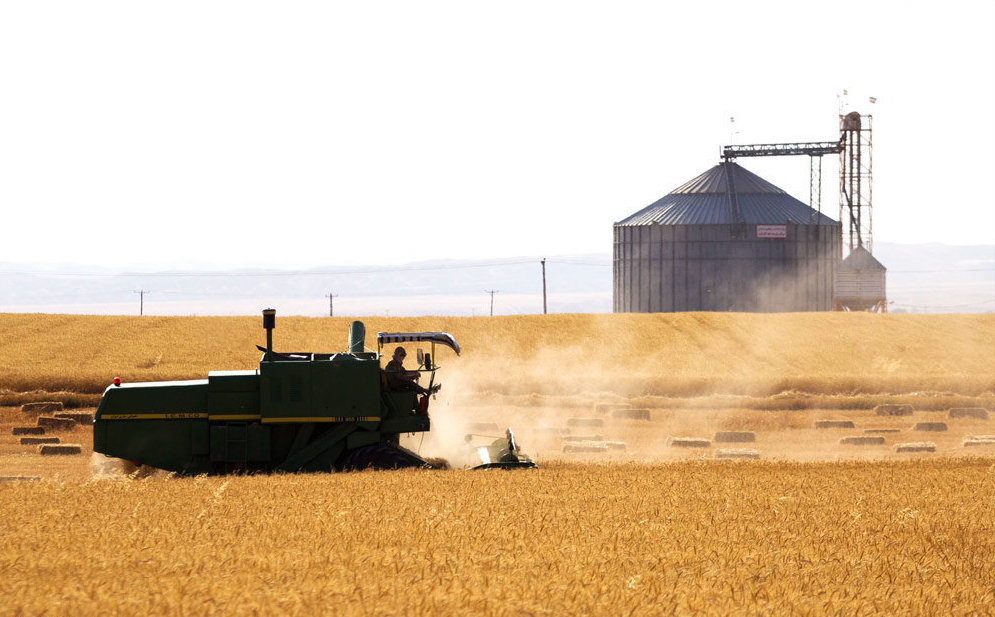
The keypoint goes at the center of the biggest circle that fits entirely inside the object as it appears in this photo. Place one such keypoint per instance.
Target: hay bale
(56, 424)
(576, 438)
(916, 446)
(28, 430)
(862, 440)
(586, 422)
(34, 441)
(586, 446)
(632, 414)
(834, 424)
(60, 449)
(605, 408)
(894, 410)
(42, 407)
(735, 437)
(615, 445)
(737, 453)
(20, 478)
(975, 413)
(78, 417)
(930, 426)
(482, 427)
(979, 440)
(882, 430)
(688, 442)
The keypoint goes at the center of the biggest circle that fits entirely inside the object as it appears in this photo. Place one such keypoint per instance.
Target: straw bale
(604, 408)
(977, 413)
(42, 407)
(930, 426)
(615, 445)
(589, 422)
(60, 449)
(483, 427)
(632, 414)
(735, 436)
(688, 442)
(862, 440)
(34, 441)
(834, 424)
(78, 417)
(28, 430)
(894, 410)
(737, 453)
(58, 424)
(576, 438)
(979, 440)
(585, 446)
(883, 430)
(20, 478)
(916, 446)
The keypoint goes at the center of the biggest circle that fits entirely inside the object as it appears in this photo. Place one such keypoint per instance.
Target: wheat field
(678, 354)
(685, 538)
(812, 528)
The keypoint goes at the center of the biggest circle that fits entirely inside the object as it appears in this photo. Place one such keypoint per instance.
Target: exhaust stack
(357, 337)
(269, 322)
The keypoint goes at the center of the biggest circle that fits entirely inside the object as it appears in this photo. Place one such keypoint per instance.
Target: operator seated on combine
(398, 378)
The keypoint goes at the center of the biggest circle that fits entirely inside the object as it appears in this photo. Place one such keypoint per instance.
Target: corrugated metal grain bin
(860, 283)
(727, 240)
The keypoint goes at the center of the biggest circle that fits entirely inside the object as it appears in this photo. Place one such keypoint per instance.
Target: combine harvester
(296, 412)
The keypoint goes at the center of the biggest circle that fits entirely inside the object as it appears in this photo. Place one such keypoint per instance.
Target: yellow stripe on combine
(152, 416)
(235, 416)
(319, 419)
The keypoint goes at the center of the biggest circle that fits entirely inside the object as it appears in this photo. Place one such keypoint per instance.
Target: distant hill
(923, 278)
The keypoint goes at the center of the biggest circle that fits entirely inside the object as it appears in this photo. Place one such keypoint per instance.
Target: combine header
(296, 412)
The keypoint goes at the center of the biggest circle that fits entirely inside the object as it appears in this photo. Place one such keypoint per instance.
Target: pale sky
(307, 134)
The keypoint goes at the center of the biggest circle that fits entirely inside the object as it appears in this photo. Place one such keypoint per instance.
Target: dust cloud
(572, 403)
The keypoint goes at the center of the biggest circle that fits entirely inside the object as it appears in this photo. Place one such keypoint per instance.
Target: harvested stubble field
(814, 527)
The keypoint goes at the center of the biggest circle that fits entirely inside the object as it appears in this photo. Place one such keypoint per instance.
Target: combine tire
(380, 457)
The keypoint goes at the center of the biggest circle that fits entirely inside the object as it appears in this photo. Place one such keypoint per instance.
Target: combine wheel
(380, 457)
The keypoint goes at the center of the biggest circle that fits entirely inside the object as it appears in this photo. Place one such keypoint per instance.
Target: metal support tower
(855, 181)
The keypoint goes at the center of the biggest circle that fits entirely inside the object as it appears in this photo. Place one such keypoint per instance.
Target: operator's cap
(401, 351)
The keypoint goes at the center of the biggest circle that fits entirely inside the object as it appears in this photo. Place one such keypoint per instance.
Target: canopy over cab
(442, 338)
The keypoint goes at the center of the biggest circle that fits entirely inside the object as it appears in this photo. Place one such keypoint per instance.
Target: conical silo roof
(861, 259)
(708, 200)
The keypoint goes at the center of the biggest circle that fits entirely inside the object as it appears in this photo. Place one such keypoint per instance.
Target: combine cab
(296, 412)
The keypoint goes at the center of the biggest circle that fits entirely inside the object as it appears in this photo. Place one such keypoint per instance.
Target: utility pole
(543, 285)
(331, 306)
(141, 300)
(492, 292)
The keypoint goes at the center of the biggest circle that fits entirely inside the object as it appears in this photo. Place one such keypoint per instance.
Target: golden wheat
(630, 355)
(718, 538)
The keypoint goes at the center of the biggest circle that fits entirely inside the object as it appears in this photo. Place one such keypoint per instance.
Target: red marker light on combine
(117, 381)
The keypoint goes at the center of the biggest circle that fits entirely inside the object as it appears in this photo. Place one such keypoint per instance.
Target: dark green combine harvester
(296, 412)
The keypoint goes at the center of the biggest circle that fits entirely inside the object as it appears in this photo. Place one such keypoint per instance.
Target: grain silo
(860, 283)
(727, 240)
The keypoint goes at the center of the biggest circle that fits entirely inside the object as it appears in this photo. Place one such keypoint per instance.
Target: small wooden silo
(859, 284)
